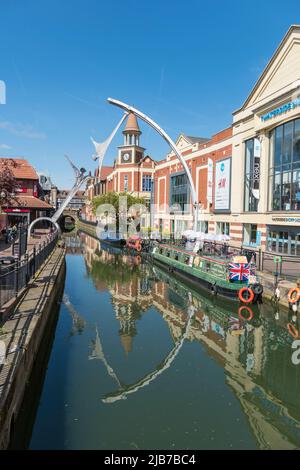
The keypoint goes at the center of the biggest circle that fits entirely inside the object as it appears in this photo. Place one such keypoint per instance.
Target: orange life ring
(248, 310)
(138, 246)
(292, 330)
(291, 298)
(242, 298)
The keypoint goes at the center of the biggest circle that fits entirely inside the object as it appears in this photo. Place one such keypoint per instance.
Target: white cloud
(5, 146)
(22, 130)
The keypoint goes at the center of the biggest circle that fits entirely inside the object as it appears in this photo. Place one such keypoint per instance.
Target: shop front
(266, 151)
(17, 216)
(283, 239)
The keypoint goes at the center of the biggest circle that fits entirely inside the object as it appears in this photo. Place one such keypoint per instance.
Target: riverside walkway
(39, 237)
(20, 337)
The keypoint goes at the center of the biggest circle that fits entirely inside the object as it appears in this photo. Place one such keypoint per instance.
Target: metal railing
(15, 276)
(283, 266)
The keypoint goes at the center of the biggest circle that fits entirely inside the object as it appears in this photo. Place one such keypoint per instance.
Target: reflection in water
(78, 323)
(246, 349)
(125, 390)
(252, 349)
(97, 353)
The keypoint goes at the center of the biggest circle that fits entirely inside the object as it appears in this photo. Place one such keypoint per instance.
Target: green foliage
(113, 271)
(113, 199)
(8, 185)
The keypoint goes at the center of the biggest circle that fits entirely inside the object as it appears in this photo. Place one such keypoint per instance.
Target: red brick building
(25, 205)
(171, 186)
(133, 171)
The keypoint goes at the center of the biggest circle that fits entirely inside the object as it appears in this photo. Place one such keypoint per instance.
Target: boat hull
(117, 242)
(198, 282)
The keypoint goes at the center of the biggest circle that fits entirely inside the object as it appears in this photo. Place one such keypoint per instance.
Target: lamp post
(172, 144)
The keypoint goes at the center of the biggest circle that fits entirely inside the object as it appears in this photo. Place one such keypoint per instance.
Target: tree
(8, 186)
(113, 199)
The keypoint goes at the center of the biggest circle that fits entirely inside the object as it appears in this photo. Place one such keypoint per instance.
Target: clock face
(126, 156)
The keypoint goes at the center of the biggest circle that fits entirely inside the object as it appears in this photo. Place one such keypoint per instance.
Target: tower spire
(131, 131)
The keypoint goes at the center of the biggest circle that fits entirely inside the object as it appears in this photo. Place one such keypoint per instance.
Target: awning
(27, 202)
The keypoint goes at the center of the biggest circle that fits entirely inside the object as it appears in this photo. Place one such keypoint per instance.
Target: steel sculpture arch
(172, 144)
(80, 178)
(39, 219)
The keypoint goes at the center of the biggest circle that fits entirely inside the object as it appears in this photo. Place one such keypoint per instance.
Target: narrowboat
(233, 279)
(112, 239)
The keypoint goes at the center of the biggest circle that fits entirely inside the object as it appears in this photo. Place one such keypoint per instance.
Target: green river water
(141, 361)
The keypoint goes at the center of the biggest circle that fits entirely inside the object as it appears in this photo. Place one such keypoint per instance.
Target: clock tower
(130, 153)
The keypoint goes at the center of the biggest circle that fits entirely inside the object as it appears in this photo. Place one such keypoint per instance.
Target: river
(142, 361)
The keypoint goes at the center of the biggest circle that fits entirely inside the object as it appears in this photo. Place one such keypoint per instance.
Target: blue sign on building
(282, 109)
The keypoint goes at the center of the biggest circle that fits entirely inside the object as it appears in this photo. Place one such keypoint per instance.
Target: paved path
(21, 331)
(39, 237)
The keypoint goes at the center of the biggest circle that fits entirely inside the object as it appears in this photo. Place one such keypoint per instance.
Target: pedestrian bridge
(68, 219)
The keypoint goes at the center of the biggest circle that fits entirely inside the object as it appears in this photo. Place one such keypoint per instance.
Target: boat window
(196, 261)
(176, 257)
(168, 254)
(186, 259)
(161, 251)
(207, 266)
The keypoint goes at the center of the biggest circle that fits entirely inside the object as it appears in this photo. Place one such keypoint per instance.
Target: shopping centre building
(247, 177)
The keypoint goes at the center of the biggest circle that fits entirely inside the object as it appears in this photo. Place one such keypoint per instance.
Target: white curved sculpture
(172, 144)
(39, 219)
(101, 148)
(80, 178)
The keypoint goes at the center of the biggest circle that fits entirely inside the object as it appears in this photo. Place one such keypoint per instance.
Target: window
(180, 191)
(125, 182)
(250, 234)
(223, 228)
(284, 174)
(252, 174)
(147, 183)
(202, 226)
(283, 240)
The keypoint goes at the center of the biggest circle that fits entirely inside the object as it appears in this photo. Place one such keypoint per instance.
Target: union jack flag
(239, 272)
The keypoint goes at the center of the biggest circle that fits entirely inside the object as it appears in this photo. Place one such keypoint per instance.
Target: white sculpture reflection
(124, 390)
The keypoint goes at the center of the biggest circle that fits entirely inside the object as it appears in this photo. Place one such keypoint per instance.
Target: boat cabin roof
(191, 253)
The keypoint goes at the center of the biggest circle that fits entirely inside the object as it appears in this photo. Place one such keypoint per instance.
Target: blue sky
(188, 64)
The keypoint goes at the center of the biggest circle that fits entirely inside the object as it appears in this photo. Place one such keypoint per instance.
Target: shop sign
(210, 170)
(258, 237)
(282, 109)
(286, 219)
(222, 184)
(257, 147)
(21, 190)
(15, 210)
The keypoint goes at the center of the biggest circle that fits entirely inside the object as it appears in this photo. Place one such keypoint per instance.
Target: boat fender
(277, 293)
(294, 307)
(257, 289)
(292, 330)
(249, 315)
(292, 298)
(243, 291)
(214, 289)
